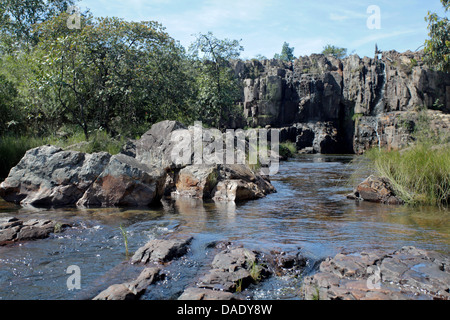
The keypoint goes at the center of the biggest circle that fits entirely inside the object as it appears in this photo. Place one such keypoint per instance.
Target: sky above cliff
(264, 25)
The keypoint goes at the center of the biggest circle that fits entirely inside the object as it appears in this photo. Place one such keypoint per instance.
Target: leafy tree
(218, 89)
(18, 18)
(108, 72)
(336, 52)
(437, 48)
(8, 93)
(287, 53)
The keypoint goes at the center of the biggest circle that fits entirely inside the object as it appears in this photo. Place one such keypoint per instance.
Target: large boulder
(49, 176)
(155, 146)
(125, 182)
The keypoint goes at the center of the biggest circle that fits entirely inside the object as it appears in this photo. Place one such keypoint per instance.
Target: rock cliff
(347, 105)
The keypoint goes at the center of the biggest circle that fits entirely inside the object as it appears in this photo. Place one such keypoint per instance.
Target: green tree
(8, 94)
(287, 53)
(218, 88)
(437, 48)
(19, 17)
(336, 52)
(110, 74)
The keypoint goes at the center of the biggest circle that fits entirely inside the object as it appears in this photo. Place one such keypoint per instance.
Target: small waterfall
(378, 110)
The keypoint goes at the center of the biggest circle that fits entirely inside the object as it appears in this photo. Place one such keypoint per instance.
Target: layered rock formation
(346, 105)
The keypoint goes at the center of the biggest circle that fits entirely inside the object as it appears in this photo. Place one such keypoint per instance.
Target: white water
(379, 108)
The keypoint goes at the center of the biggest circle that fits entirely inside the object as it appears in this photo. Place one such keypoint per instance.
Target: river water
(309, 214)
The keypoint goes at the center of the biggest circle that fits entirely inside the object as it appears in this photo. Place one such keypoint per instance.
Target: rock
(131, 290)
(125, 182)
(349, 93)
(14, 230)
(239, 183)
(205, 294)
(407, 274)
(49, 176)
(141, 175)
(234, 270)
(161, 251)
(375, 189)
(155, 147)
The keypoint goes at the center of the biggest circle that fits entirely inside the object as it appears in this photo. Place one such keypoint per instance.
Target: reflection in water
(309, 212)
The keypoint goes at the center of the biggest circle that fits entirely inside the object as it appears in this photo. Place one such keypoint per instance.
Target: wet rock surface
(14, 230)
(232, 270)
(407, 274)
(132, 290)
(376, 189)
(154, 255)
(161, 250)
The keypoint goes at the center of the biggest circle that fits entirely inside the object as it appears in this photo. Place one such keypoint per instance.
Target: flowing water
(309, 214)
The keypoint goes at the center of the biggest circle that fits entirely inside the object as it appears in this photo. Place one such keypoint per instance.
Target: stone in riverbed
(131, 290)
(407, 274)
(14, 230)
(161, 251)
(206, 294)
(375, 189)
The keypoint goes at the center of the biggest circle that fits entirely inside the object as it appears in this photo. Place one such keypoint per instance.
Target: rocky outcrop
(407, 274)
(185, 178)
(14, 230)
(375, 189)
(49, 176)
(360, 99)
(141, 175)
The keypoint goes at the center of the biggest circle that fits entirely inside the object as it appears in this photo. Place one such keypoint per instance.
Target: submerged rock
(375, 189)
(407, 274)
(15, 230)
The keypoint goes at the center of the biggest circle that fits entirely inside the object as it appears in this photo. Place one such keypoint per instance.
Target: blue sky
(264, 25)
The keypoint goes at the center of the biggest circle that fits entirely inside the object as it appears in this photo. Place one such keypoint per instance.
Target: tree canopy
(287, 53)
(336, 52)
(437, 47)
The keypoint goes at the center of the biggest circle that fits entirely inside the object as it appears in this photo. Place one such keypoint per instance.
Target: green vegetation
(420, 174)
(287, 53)
(105, 82)
(125, 239)
(437, 47)
(336, 52)
(288, 149)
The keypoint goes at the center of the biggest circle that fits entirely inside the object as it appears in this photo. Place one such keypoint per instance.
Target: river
(309, 214)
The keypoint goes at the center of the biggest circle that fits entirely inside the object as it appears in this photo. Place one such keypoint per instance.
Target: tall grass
(12, 149)
(419, 174)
